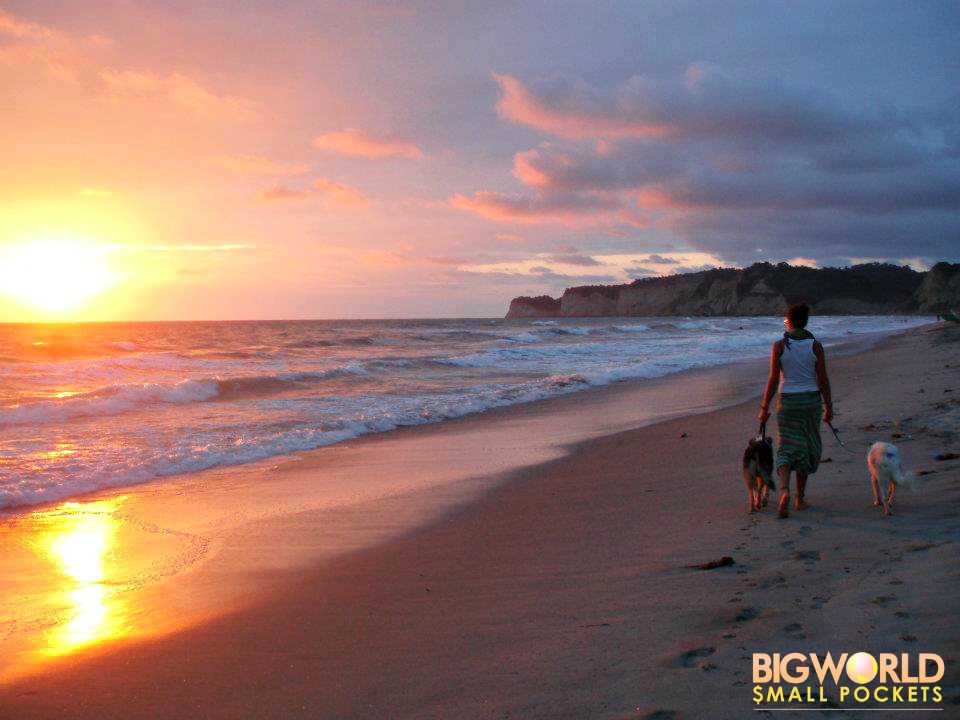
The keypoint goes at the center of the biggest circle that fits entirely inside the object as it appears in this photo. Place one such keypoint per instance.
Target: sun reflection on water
(77, 539)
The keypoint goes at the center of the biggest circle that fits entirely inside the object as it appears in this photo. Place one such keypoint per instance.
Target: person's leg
(801, 489)
(783, 507)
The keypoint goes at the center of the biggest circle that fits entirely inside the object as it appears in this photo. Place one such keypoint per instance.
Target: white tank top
(798, 367)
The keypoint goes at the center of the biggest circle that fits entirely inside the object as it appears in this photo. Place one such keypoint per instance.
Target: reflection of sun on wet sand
(82, 577)
(80, 536)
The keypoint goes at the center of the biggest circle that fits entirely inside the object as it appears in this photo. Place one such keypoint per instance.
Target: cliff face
(540, 306)
(940, 290)
(761, 289)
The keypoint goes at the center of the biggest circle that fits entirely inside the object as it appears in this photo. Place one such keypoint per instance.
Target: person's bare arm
(773, 382)
(823, 382)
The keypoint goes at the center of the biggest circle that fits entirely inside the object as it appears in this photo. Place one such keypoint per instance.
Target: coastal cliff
(761, 289)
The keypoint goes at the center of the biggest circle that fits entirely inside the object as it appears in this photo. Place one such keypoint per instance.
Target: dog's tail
(908, 480)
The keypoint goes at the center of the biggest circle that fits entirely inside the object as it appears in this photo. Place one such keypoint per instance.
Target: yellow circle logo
(862, 667)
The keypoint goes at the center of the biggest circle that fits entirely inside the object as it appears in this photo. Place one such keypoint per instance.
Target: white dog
(883, 461)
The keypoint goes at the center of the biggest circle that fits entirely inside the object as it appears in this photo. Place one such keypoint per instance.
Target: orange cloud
(255, 165)
(571, 118)
(333, 191)
(357, 143)
(339, 193)
(176, 87)
(526, 171)
(14, 27)
(282, 192)
(83, 60)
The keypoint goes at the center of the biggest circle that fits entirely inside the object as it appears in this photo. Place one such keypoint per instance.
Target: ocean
(91, 406)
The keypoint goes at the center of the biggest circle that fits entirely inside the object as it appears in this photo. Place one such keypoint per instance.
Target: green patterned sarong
(798, 431)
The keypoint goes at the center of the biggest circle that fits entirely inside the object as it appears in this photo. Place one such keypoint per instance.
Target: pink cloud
(339, 193)
(357, 143)
(575, 113)
(570, 210)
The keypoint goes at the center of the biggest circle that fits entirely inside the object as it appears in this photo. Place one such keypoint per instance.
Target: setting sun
(54, 274)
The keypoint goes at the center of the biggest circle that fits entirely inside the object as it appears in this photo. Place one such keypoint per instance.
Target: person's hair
(798, 315)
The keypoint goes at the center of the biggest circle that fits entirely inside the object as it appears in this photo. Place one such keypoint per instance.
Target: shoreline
(589, 392)
(603, 449)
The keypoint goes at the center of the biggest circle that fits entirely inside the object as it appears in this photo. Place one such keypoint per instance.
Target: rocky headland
(761, 289)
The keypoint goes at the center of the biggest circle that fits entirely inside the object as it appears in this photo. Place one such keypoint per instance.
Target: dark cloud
(661, 260)
(730, 162)
(574, 260)
(705, 102)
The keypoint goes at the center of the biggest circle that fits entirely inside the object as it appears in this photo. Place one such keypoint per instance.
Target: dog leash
(837, 436)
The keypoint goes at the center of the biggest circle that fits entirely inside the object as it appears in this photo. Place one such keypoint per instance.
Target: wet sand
(559, 590)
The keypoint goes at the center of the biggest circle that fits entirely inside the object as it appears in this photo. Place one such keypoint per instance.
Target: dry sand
(564, 593)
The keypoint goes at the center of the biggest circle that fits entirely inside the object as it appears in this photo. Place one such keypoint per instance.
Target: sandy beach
(559, 590)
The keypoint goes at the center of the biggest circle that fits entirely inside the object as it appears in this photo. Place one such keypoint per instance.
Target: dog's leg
(875, 484)
(751, 489)
(891, 491)
(763, 491)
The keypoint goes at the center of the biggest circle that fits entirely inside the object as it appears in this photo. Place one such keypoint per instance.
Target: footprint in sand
(693, 658)
(908, 638)
(746, 615)
(809, 556)
(806, 530)
(794, 631)
(883, 599)
(787, 544)
(902, 614)
(661, 715)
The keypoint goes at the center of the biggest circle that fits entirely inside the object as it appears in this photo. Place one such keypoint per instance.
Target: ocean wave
(110, 400)
(120, 398)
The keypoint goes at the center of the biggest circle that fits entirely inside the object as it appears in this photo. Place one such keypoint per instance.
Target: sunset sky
(191, 160)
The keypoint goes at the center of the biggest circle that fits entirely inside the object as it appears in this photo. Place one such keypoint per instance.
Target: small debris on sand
(722, 562)
(946, 456)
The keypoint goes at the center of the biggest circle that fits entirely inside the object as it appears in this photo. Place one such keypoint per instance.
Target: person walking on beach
(798, 366)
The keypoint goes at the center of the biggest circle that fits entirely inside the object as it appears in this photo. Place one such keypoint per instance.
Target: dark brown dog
(758, 471)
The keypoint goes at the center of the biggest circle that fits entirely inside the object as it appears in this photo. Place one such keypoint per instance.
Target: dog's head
(760, 454)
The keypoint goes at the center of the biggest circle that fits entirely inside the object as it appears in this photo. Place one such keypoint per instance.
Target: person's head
(797, 316)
